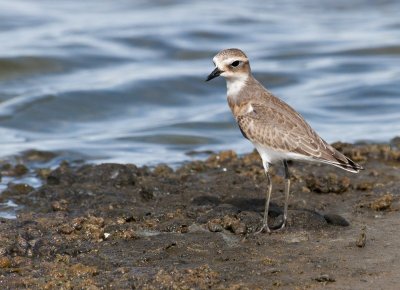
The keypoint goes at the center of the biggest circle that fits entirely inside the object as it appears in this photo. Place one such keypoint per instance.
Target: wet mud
(119, 226)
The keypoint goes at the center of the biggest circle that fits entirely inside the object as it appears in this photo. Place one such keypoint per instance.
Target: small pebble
(20, 170)
(66, 229)
(362, 238)
(5, 262)
(43, 173)
(59, 205)
(214, 226)
(336, 220)
(20, 188)
(239, 228)
(325, 278)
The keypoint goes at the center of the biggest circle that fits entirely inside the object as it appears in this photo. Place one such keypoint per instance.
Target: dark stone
(336, 220)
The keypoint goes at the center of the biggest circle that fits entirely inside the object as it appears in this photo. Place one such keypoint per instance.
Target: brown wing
(279, 127)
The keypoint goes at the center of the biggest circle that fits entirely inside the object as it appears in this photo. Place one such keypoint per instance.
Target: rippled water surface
(124, 80)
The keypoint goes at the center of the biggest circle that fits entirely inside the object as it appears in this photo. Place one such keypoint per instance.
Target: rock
(382, 203)
(128, 234)
(93, 227)
(336, 220)
(6, 168)
(66, 229)
(38, 156)
(215, 225)
(18, 189)
(252, 220)
(364, 186)
(20, 170)
(146, 193)
(80, 270)
(162, 170)
(21, 246)
(328, 184)
(325, 278)
(218, 212)
(239, 228)
(233, 224)
(5, 262)
(43, 173)
(221, 158)
(111, 174)
(362, 238)
(45, 248)
(120, 231)
(59, 205)
(62, 175)
(174, 226)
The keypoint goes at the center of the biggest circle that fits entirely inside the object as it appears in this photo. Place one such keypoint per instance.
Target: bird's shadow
(254, 204)
(240, 204)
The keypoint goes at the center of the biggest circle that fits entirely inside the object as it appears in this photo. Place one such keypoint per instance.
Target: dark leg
(267, 199)
(287, 188)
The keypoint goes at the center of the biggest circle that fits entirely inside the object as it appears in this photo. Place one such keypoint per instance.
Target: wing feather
(279, 127)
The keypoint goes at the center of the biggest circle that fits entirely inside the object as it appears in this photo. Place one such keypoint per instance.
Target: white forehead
(225, 61)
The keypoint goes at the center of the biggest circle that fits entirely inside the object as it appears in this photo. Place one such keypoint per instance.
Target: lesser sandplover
(276, 130)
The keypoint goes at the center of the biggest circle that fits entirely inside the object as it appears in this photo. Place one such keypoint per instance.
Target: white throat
(235, 85)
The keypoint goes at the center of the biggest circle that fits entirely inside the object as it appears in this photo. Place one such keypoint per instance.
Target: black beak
(215, 73)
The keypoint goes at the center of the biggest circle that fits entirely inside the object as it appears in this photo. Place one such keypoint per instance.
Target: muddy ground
(117, 226)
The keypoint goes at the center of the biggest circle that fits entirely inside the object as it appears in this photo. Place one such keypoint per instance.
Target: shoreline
(123, 226)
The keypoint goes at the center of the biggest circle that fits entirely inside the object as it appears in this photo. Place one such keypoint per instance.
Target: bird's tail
(342, 161)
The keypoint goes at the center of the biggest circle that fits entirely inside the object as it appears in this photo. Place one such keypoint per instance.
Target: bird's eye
(235, 63)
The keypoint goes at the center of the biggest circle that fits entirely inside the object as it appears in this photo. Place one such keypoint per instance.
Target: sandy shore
(120, 226)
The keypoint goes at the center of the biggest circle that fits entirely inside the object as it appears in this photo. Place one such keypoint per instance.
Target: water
(123, 81)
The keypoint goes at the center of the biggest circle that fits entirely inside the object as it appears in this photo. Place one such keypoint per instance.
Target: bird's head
(230, 63)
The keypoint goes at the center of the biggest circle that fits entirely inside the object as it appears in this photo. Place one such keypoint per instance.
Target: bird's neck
(235, 84)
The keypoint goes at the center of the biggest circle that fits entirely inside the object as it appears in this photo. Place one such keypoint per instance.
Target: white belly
(271, 156)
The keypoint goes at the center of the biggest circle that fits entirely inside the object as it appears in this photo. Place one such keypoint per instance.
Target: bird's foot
(263, 228)
(269, 230)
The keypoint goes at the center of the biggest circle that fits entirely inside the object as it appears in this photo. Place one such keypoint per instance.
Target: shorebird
(276, 130)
